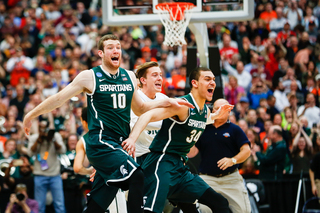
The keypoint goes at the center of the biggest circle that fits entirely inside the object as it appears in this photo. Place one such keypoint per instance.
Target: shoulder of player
(161, 95)
(84, 75)
(133, 77)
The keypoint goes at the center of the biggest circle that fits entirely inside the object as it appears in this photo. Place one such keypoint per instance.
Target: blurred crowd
(270, 70)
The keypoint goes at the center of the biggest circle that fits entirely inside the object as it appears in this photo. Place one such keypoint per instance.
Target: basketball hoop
(175, 18)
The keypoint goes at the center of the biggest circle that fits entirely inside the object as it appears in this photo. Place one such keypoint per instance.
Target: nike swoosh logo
(193, 113)
(101, 80)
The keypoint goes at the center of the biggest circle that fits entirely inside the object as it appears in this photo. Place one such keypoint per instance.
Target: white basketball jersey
(147, 135)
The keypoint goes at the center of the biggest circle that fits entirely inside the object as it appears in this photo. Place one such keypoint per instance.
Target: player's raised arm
(180, 112)
(83, 82)
(221, 112)
(139, 107)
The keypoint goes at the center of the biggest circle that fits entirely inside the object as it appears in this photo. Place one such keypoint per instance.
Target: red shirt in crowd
(282, 35)
(228, 52)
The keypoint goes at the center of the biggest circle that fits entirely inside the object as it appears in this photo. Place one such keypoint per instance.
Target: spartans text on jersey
(115, 88)
(197, 124)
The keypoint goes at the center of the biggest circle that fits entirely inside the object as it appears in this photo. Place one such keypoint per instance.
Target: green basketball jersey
(110, 103)
(178, 137)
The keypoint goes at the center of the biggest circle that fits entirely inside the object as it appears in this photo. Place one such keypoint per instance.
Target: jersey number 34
(194, 136)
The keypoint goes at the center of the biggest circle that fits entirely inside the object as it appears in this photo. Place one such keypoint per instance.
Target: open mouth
(115, 59)
(158, 84)
(210, 91)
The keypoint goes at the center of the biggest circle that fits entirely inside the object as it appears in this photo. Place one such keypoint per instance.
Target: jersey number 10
(119, 100)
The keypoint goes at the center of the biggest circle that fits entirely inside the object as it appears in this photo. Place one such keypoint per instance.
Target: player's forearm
(85, 171)
(141, 124)
(147, 106)
(193, 152)
(46, 106)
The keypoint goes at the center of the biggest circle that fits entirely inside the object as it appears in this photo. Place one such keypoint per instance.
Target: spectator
(253, 61)
(264, 137)
(301, 152)
(71, 24)
(253, 122)
(268, 15)
(313, 32)
(304, 41)
(10, 152)
(46, 146)
(271, 164)
(302, 58)
(277, 23)
(232, 91)
(242, 108)
(258, 90)
(82, 14)
(311, 72)
(31, 20)
(281, 97)
(292, 49)
(53, 12)
(239, 32)
(288, 117)
(20, 202)
(293, 13)
(19, 66)
(310, 110)
(243, 77)
(227, 50)
(294, 87)
(261, 30)
(253, 138)
(257, 45)
(262, 72)
(283, 66)
(285, 34)
(245, 54)
(309, 18)
(288, 79)
(25, 175)
(39, 66)
(20, 101)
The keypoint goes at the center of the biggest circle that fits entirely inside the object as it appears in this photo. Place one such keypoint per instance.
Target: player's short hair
(195, 74)
(105, 38)
(143, 68)
(84, 114)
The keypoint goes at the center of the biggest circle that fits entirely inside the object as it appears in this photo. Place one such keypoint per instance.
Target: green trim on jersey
(178, 137)
(109, 104)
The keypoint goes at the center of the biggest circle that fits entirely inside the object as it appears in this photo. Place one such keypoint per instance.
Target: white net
(175, 20)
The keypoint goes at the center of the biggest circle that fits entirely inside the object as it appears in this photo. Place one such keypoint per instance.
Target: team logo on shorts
(99, 74)
(226, 135)
(123, 170)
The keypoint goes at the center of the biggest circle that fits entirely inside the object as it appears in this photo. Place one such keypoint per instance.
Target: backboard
(143, 12)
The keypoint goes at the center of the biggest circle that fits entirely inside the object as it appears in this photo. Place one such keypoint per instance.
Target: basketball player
(150, 77)
(110, 94)
(166, 175)
(118, 204)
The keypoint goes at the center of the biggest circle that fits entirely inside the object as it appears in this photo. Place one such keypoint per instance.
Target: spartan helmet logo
(123, 170)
